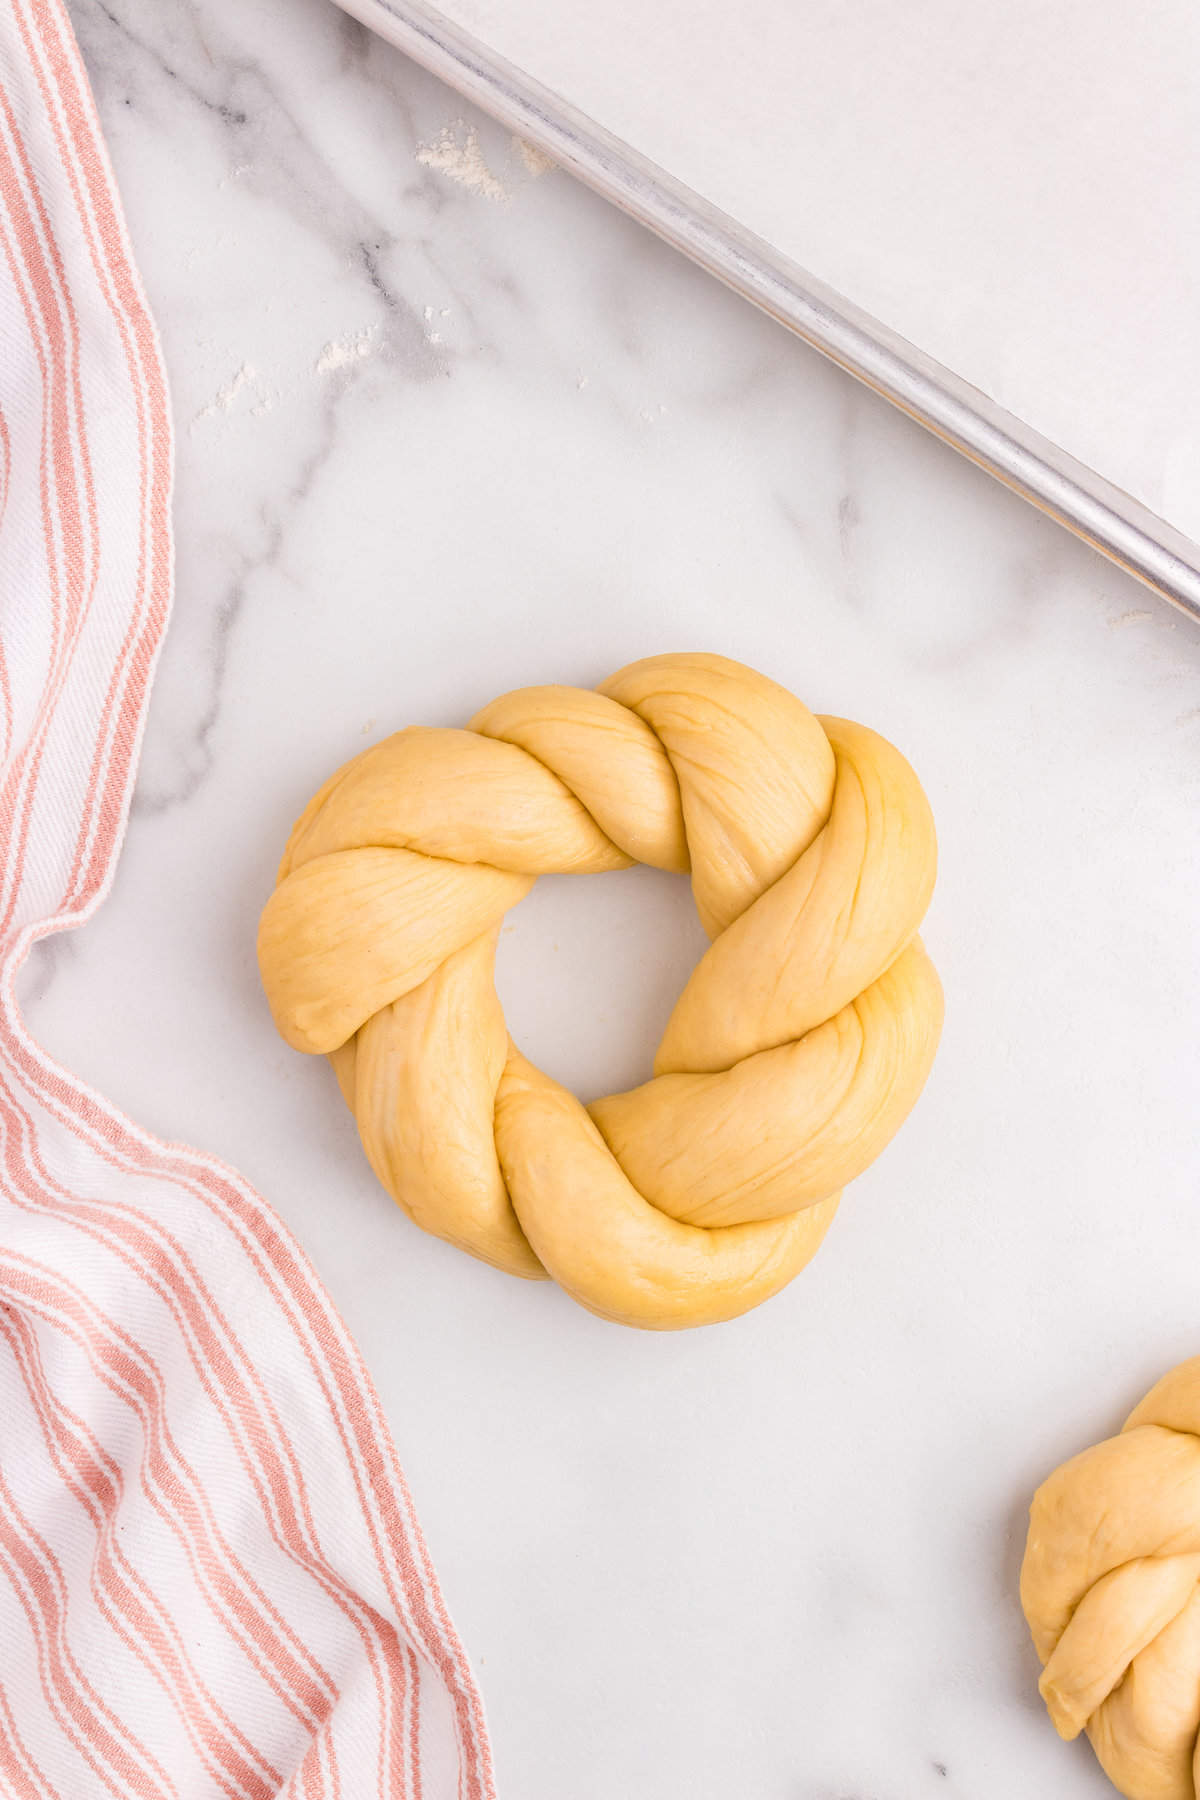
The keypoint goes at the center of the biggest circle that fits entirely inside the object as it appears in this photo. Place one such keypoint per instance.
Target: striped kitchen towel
(211, 1578)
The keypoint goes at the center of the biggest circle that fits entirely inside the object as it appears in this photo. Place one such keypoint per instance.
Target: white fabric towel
(211, 1578)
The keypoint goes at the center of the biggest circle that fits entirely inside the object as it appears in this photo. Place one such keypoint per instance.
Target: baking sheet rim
(1102, 514)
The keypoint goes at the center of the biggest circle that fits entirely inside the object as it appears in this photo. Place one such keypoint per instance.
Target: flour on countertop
(537, 163)
(246, 376)
(432, 336)
(456, 152)
(340, 353)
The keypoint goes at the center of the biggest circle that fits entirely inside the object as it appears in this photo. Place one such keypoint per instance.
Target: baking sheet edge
(1112, 521)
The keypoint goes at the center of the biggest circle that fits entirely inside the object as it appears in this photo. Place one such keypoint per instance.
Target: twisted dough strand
(1109, 1586)
(795, 1051)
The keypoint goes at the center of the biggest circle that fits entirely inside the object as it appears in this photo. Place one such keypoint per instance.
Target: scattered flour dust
(341, 353)
(247, 384)
(432, 336)
(456, 152)
(243, 379)
(537, 163)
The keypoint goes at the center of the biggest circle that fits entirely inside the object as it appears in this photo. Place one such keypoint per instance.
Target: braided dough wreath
(796, 1049)
(1110, 1587)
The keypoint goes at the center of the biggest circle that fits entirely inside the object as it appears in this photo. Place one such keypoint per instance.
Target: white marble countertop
(447, 425)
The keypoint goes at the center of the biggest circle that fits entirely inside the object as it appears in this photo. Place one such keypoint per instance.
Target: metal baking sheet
(1135, 491)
